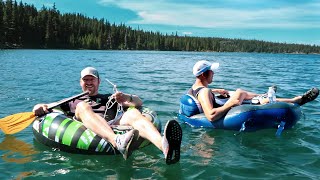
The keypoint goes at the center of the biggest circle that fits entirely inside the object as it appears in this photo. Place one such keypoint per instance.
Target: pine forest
(23, 26)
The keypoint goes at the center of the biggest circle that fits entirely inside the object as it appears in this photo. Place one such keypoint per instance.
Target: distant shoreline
(49, 29)
(19, 48)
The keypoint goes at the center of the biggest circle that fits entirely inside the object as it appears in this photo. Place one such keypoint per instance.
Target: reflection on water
(202, 148)
(23, 175)
(16, 151)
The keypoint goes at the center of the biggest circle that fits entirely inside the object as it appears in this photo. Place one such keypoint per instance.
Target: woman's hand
(223, 92)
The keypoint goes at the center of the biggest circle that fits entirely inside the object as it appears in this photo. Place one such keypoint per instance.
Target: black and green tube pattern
(58, 131)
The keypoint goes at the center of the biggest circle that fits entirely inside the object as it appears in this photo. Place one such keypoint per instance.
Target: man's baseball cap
(89, 71)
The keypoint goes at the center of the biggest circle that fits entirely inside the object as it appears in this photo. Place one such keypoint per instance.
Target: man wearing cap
(91, 110)
(204, 71)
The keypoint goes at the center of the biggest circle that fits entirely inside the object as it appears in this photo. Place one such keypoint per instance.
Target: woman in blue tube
(204, 72)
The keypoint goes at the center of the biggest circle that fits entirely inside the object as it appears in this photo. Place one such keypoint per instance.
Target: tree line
(23, 26)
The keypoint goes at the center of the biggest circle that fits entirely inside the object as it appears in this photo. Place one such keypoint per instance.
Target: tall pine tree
(1, 26)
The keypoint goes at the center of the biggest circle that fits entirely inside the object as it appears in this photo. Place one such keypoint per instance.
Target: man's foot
(124, 142)
(310, 95)
(171, 142)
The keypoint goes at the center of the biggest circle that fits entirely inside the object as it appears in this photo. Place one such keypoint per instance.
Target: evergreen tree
(2, 35)
(8, 23)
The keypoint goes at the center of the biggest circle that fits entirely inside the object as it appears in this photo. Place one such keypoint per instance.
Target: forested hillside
(23, 26)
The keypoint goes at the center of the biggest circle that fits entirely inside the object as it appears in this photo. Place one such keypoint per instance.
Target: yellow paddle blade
(16, 122)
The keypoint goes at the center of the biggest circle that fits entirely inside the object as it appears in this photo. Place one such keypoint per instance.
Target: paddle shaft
(58, 103)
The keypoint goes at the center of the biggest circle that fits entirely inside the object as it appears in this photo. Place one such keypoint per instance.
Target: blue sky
(288, 21)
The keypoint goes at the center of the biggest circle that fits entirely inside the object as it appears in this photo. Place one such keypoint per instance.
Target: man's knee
(133, 112)
(82, 107)
(130, 116)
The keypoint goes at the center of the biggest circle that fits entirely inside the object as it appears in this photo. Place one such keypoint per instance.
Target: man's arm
(128, 100)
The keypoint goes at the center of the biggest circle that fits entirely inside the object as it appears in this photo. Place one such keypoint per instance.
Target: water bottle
(271, 95)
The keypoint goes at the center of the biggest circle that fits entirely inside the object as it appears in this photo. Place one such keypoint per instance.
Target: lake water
(29, 77)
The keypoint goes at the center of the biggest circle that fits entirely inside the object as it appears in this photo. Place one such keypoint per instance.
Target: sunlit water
(29, 77)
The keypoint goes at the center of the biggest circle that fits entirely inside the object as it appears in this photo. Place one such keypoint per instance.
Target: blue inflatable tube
(246, 117)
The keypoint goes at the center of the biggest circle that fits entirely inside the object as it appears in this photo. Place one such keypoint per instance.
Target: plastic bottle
(271, 95)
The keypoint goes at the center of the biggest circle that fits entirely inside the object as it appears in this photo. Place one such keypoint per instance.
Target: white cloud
(198, 15)
(187, 33)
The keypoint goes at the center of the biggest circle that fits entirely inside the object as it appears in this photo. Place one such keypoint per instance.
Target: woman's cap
(203, 66)
(89, 71)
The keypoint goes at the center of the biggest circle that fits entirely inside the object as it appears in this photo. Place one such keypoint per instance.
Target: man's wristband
(131, 98)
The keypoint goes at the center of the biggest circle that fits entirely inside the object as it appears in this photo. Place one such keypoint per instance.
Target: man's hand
(40, 109)
(121, 97)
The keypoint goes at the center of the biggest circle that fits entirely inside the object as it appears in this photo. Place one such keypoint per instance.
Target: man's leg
(169, 144)
(147, 130)
(100, 126)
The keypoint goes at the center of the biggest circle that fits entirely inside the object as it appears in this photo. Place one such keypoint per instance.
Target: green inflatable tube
(59, 131)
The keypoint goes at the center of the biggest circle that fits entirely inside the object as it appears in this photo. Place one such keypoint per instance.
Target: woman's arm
(213, 113)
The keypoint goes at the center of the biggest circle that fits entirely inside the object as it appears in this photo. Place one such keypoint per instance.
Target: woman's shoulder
(203, 92)
(197, 88)
(201, 89)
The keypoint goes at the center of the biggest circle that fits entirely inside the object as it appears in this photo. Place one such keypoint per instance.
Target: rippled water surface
(29, 77)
